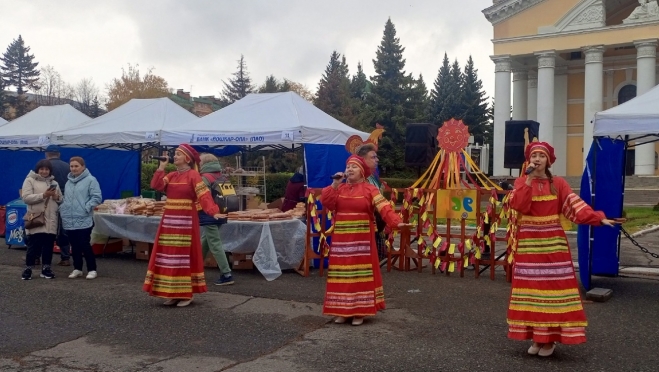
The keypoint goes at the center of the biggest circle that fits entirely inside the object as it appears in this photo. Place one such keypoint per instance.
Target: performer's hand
(163, 163)
(613, 222)
(337, 179)
(217, 216)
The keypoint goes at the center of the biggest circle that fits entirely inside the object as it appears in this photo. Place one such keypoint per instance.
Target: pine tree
(440, 93)
(475, 108)
(333, 95)
(359, 83)
(391, 103)
(271, 85)
(240, 85)
(3, 98)
(95, 108)
(420, 100)
(453, 107)
(20, 71)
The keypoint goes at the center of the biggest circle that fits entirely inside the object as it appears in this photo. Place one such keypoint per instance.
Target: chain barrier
(645, 250)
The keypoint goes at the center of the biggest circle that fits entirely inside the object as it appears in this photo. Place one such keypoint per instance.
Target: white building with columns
(562, 61)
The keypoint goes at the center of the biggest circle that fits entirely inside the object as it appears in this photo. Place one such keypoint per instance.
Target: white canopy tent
(135, 122)
(34, 128)
(264, 120)
(3, 122)
(636, 117)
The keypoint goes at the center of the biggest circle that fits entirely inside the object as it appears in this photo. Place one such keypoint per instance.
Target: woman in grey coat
(42, 195)
(82, 194)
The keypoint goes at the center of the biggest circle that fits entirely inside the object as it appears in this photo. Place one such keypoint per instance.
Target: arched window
(626, 93)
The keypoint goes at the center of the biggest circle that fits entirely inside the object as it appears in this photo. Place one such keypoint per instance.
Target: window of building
(626, 93)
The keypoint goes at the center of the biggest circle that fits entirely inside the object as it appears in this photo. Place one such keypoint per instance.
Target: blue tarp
(115, 170)
(604, 170)
(219, 152)
(322, 161)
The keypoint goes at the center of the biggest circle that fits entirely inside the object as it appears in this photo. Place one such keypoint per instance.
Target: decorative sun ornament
(453, 136)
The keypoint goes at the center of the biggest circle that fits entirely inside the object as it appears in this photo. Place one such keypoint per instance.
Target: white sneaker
(91, 275)
(75, 274)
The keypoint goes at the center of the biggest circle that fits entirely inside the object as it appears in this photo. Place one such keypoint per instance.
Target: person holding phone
(545, 304)
(41, 193)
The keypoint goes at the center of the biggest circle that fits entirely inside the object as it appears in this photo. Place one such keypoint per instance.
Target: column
(560, 121)
(646, 60)
(502, 87)
(546, 65)
(593, 92)
(520, 94)
(532, 103)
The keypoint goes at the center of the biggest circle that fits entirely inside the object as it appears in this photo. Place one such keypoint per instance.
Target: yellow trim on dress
(544, 198)
(540, 219)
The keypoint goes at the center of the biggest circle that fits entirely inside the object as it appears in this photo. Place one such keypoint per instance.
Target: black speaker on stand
(420, 144)
(513, 153)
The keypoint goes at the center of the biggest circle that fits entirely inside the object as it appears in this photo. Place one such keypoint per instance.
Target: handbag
(35, 220)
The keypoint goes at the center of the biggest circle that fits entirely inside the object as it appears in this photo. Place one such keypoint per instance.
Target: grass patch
(639, 218)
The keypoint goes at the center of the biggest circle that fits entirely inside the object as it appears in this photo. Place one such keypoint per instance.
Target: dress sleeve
(159, 181)
(329, 197)
(574, 208)
(521, 196)
(203, 194)
(384, 207)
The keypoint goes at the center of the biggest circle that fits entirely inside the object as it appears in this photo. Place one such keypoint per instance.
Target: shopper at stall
(368, 151)
(354, 284)
(82, 194)
(295, 191)
(211, 170)
(176, 266)
(545, 305)
(61, 173)
(42, 195)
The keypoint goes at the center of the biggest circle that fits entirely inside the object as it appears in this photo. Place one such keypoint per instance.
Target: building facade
(562, 61)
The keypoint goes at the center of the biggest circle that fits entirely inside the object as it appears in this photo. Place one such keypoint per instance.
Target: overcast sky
(194, 44)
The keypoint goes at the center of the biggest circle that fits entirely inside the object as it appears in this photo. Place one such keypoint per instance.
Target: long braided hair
(551, 181)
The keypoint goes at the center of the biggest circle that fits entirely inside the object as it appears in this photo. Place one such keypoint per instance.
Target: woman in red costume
(545, 305)
(176, 268)
(354, 285)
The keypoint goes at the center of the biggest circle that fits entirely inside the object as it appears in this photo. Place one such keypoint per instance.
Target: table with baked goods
(277, 240)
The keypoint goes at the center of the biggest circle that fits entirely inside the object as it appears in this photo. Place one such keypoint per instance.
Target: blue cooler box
(15, 232)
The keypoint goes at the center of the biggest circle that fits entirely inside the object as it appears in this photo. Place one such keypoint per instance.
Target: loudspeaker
(513, 153)
(420, 144)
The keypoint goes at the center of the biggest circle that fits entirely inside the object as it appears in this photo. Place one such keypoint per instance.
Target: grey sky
(195, 43)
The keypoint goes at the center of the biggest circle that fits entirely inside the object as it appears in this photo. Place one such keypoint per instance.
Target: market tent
(135, 122)
(273, 121)
(266, 120)
(636, 117)
(34, 128)
(603, 181)
(3, 122)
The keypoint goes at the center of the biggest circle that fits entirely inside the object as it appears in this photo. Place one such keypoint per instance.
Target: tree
(333, 95)
(95, 108)
(19, 70)
(440, 93)
(299, 88)
(240, 85)
(85, 93)
(359, 83)
(52, 89)
(3, 100)
(419, 99)
(475, 108)
(132, 85)
(390, 103)
(271, 85)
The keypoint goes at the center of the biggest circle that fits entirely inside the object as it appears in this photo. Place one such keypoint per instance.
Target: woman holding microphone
(176, 267)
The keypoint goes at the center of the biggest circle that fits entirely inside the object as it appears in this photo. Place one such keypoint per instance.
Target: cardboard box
(113, 246)
(143, 250)
(241, 261)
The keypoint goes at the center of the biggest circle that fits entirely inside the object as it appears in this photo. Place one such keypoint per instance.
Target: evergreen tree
(95, 108)
(475, 108)
(3, 98)
(240, 85)
(440, 93)
(19, 70)
(285, 86)
(391, 103)
(453, 107)
(333, 95)
(359, 83)
(271, 85)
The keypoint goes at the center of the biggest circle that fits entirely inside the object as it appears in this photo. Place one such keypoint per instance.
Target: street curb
(631, 270)
(646, 231)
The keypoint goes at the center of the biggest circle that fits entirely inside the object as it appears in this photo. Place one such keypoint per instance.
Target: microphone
(337, 177)
(162, 158)
(529, 170)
